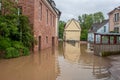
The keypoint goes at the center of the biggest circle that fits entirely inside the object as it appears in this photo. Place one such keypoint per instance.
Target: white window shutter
(0, 6)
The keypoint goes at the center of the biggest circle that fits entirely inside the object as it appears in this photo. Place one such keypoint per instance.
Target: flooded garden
(68, 61)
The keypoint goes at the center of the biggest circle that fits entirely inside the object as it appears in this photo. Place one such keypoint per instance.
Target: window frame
(40, 11)
(116, 29)
(47, 16)
(0, 5)
(104, 29)
(116, 17)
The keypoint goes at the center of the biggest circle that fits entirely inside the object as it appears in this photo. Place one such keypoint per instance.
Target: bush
(12, 53)
(25, 51)
(25, 28)
(4, 43)
(17, 44)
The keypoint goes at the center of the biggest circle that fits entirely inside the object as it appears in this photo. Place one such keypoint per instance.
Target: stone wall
(112, 22)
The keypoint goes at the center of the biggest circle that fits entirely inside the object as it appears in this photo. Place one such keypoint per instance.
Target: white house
(102, 27)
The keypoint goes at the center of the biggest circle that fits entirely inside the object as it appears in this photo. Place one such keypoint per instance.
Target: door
(53, 41)
(39, 43)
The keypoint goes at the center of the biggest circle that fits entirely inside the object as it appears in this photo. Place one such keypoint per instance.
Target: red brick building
(43, 16)
(114, 20)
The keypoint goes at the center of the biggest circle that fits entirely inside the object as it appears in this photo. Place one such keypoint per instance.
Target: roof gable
(118, 8)
(72, 25)
(97, 26)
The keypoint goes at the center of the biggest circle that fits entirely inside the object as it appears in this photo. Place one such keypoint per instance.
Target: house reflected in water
(69, 61)
(71, 51)
(77, 64)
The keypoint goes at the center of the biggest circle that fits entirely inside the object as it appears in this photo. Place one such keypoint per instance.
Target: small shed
(72, 31)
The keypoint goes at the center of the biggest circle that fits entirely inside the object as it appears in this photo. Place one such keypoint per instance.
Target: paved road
(115, 69)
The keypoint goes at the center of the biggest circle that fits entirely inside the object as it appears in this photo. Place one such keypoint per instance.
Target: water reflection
(69, 61)
(71, 51)
(77, 64)
(37, 66)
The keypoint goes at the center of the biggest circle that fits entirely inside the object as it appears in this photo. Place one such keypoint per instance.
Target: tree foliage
(15, 31)
(61, 29)
(9, 7)
(86, 21)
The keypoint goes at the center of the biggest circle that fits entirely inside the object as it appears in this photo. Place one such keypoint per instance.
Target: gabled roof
(97, 26)
(70, 21)
(118, 8)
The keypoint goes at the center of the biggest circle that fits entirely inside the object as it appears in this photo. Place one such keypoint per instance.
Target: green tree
(61, 29)
(15, 31)
(9, 7)
(86, 21)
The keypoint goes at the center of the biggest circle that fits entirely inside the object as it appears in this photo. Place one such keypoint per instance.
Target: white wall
(90, 36)
(101, 30)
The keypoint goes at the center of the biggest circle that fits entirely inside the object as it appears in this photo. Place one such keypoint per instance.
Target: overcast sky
(74, 8)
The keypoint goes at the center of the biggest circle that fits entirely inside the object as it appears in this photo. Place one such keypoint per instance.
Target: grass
(109, 53)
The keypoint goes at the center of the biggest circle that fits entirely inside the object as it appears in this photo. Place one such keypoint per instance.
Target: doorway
(53, 41)
(39, 43)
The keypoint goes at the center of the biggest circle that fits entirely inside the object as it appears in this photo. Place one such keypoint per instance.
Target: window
(40, 11)
(0, 5)
(116, 17)
(118, 39)
(19, 10)
(111, 40)
(50, 19)
(47, 15)
(116, 29)
(53, 21)
(16, 1)
(104, 28)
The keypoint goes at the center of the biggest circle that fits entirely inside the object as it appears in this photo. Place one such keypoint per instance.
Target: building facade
(102, 27)
(114, 20)
(72, 31)
(43, 16)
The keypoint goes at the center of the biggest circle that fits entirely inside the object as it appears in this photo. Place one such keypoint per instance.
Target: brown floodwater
(68, 61)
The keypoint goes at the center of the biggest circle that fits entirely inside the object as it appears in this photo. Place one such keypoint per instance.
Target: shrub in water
(11, 53)
(17, 44)
(26, 51)
(4, 43)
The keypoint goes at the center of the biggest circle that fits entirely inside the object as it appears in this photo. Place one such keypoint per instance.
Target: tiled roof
(118, 8)
(97, 26)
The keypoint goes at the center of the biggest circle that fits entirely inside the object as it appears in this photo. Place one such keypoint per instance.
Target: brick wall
(112, 23)
(41, 28)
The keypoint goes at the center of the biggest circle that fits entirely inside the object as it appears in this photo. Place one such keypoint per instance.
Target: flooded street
(69, 61)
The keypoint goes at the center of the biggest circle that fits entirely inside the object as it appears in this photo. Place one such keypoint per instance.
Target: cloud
(74, 8)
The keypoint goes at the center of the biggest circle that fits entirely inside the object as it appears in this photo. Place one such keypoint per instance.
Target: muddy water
(69, 61)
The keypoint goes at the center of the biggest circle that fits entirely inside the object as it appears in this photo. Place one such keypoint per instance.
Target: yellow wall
(72, 31)
(72, 35)
(72, 51)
